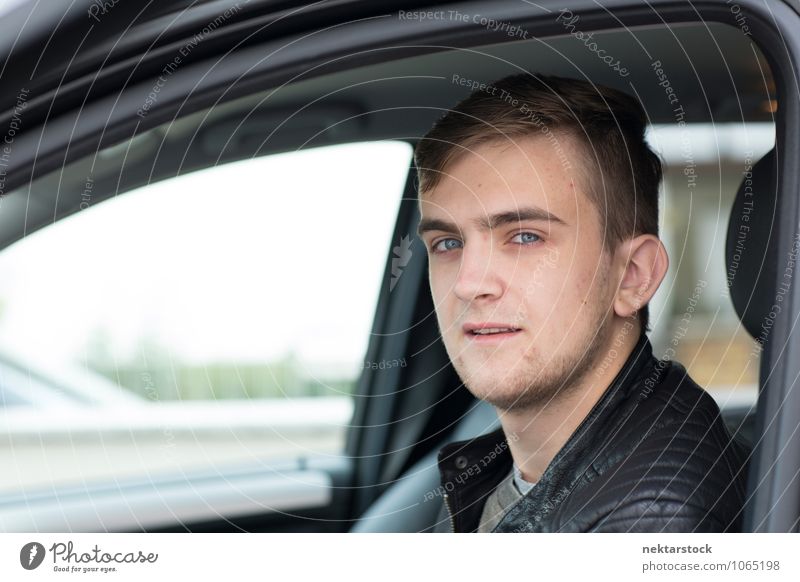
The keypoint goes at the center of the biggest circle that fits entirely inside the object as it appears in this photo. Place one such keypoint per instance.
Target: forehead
(504, 175)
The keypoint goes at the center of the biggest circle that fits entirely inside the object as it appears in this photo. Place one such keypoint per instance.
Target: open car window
(212, 319)
(693, 320)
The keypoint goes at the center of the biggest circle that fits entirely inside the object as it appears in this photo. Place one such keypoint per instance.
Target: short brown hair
(621, 172)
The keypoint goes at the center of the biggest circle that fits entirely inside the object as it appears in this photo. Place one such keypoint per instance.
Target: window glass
(216, 317)
(692, 318)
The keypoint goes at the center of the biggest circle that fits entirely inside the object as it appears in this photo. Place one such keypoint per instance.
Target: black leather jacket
(653, 455)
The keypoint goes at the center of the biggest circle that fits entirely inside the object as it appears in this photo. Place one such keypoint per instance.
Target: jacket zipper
(449, 513)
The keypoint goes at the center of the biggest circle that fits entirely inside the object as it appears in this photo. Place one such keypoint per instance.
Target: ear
(644, 263)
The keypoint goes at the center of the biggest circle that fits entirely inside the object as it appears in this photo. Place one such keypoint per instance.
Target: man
(539, 212)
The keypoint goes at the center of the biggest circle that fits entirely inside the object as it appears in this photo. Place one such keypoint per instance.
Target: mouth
(490, 332)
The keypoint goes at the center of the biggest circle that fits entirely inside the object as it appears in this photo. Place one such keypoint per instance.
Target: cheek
(589, 288)
(562, 287)
(440, 288)
(546, 279)
(443, 298)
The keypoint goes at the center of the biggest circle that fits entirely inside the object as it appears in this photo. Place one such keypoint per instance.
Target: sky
(241, 262)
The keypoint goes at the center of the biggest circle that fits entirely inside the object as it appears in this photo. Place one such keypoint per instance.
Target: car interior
(283, 78)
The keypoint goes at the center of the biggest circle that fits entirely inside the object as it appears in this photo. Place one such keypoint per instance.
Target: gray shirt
(510, 490)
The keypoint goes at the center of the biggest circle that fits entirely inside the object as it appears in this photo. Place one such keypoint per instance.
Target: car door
(190, 363)
(231, 407)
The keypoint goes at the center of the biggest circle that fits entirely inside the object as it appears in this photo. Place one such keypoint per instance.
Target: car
(117, 120)
(33, 384)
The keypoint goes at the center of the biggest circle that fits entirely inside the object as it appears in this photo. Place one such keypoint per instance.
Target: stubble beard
(539, 383)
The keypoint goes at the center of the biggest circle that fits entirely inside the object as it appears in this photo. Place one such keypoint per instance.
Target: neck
(535, 435)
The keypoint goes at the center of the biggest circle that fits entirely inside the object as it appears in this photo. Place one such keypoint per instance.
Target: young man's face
(542, 273)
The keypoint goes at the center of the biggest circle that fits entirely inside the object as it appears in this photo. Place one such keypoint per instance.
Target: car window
(692, 317)
(220, 316)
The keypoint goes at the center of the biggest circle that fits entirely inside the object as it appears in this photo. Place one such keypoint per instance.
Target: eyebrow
(529, 213)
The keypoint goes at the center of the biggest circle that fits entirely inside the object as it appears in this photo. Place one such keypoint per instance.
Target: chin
(518, 400)
(519, 390)
(509, 392)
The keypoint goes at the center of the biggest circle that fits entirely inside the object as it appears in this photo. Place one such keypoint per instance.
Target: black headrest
(751, 252)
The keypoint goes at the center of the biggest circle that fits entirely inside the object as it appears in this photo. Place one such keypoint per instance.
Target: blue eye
(444, 240)
(531, 237)
(528, 238)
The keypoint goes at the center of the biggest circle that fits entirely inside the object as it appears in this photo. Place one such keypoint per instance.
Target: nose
(478, 276)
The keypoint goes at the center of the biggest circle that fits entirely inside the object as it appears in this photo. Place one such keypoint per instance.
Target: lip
(493, 338)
